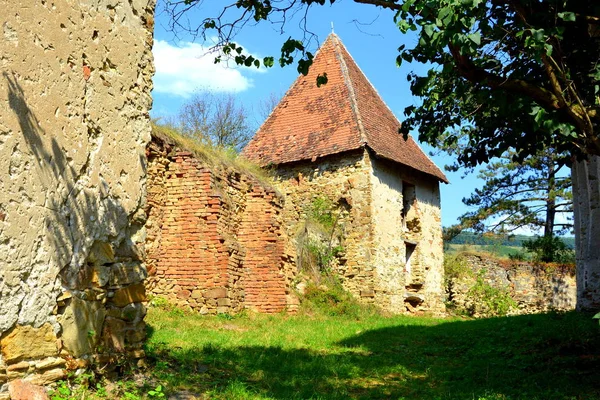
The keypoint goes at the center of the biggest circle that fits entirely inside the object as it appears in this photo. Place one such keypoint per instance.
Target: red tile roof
(345, 114)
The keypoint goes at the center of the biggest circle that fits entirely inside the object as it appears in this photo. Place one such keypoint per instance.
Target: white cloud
(182, 70)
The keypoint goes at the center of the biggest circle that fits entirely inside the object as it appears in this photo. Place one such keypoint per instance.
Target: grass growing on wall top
(548, 356)
(212, 155)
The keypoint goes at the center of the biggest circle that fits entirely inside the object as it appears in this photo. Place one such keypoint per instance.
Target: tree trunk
(550, 203)
(586, 208)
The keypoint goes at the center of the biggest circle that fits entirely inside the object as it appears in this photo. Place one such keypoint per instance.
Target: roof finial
(332, 27)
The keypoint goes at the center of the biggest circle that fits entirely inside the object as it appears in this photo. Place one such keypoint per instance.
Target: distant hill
(478, 239)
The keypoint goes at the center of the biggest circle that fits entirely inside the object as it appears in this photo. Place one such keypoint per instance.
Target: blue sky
(369, 34)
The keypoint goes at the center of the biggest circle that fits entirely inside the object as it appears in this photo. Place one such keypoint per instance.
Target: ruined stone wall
(214, 240)
(403, 285)
(535, 288)
(74, 101)
(345, 181)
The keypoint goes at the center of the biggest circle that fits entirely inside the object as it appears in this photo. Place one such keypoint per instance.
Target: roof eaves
(439, 175)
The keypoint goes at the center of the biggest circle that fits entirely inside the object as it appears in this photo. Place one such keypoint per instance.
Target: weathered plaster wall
(214, 242)
(535, 288)
(419, 283)
(427, 276)
(74, 101)
(389, 250)
(345, 181)
(586, 210)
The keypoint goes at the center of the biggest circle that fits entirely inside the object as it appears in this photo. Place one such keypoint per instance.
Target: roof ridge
(364, 138)
(349, 84)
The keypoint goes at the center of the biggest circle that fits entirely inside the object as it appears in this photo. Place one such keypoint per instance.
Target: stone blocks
(534, 288)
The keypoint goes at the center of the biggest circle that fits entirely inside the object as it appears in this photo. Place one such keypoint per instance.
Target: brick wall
(214, 241)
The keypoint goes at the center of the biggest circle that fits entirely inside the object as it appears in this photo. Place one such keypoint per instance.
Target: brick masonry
(214, 240)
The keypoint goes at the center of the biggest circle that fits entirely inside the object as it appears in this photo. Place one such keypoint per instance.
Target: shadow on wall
(523, 357)
(84, 259)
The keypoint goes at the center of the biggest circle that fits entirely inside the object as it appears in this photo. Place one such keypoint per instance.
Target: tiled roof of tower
(345, 114)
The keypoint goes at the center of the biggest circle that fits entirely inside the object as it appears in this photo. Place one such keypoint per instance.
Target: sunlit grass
(214, 156)
(551, 356)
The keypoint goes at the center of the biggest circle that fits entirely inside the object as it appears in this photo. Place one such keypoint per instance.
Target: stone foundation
(74, 100)
(215, 242)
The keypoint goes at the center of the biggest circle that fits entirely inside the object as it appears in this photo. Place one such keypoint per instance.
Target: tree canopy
(215, 119)
(530, 194)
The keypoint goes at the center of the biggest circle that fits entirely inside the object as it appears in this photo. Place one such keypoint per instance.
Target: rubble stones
(27, 342)
(82, 323)
(534, 288)
(22, 390)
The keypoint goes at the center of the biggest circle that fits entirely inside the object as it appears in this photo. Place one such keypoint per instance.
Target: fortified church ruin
(74, 99)
(341, 142)
(219, 240)
(75, 225)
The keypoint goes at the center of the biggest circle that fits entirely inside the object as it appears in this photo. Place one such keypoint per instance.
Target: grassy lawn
(499, 251)
(551, 356)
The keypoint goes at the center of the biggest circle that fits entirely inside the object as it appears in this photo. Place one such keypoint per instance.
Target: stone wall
(214, 242)
(369, 196)
(344, 180)
(74, 101)
(534, 288)
(408, 247)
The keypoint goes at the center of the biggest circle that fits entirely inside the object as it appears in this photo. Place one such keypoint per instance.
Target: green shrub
(333, 300)
(455, 266)
(321, 210)
(518, 256)
(550, 249)
(320, 237)
(488, 301)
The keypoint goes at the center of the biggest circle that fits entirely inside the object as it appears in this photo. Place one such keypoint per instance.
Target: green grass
(213, 156)
(500, 251)
(549, 356)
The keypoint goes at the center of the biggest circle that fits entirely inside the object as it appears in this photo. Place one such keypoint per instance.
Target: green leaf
(475, 38)
(428, 29)
(322, 79)
(567, 16)
(268, 62)
(404, 25)
(538, 35)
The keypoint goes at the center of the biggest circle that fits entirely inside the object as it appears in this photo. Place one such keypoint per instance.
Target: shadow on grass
(551, 356)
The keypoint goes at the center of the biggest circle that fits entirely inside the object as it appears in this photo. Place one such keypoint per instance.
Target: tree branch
(474, 74)
(390, 4)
